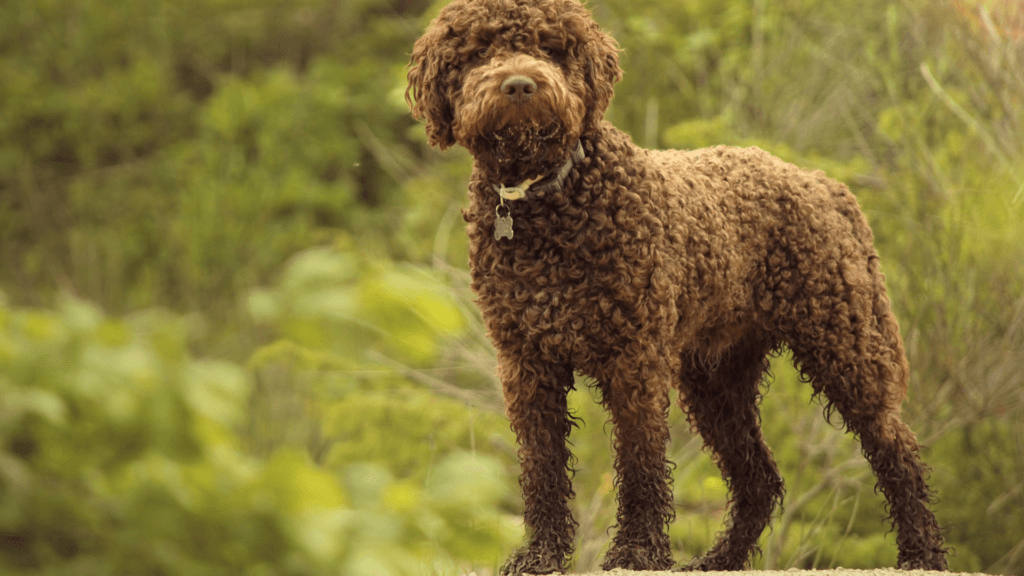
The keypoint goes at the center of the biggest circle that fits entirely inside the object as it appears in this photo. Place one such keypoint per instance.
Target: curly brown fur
(722, 406)
(648, 270)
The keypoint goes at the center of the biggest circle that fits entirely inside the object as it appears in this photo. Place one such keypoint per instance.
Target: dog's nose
(518, 88)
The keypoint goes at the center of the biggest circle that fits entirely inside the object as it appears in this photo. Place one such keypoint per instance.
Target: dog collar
(519, 192)
(503, 224)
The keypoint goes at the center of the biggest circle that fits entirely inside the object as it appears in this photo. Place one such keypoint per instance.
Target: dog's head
(516, 82)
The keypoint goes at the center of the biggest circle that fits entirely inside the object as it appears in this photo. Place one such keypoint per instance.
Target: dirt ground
(791, 572)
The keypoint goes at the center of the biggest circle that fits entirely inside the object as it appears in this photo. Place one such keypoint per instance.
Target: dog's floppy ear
(602, 72)
(426, 94)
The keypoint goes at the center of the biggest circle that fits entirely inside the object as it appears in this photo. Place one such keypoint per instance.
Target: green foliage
(345, 327)
(408, 430)
(120, 458)
(332, 300)
(179, 153)
(399, 527)
(254, 168)
(335, 380)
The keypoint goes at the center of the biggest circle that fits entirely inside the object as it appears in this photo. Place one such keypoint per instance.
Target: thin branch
(971, 122)
(482, 400)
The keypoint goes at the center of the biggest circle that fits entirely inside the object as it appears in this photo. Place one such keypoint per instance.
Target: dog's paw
(634, 557)
(533, 560)
(931, 561)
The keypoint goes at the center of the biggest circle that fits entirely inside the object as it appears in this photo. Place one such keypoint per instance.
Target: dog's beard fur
(526, 143)
(522, 150)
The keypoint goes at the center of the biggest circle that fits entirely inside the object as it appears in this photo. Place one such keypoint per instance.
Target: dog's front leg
(638, 401)
(535, 400)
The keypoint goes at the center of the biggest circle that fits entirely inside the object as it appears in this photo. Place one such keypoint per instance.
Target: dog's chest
(570, 304)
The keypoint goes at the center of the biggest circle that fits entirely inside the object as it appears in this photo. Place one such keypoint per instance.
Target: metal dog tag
(502, 224)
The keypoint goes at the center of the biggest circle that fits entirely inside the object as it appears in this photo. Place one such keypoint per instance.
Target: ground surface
(792, 572)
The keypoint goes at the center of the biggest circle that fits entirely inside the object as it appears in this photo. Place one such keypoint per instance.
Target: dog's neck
(547, 183)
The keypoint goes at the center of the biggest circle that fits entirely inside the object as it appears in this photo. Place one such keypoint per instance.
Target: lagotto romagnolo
(650, 270)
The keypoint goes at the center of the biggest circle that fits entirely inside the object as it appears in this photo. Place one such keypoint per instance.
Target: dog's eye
(482, 53)
(549, 52)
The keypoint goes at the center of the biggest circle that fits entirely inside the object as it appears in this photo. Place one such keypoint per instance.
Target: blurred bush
(177, 153)
(323, 396)
(120, 458)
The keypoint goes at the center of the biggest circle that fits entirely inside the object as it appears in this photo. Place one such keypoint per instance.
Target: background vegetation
(235, 330)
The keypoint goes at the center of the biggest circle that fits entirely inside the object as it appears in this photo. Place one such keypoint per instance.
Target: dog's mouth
(524, 143)
(527, 149)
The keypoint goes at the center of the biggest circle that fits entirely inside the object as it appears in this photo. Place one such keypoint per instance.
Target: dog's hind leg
(535, 399)
(857, 361)
(722, 404)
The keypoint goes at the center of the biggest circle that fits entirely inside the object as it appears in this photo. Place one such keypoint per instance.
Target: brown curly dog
(650, 269)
